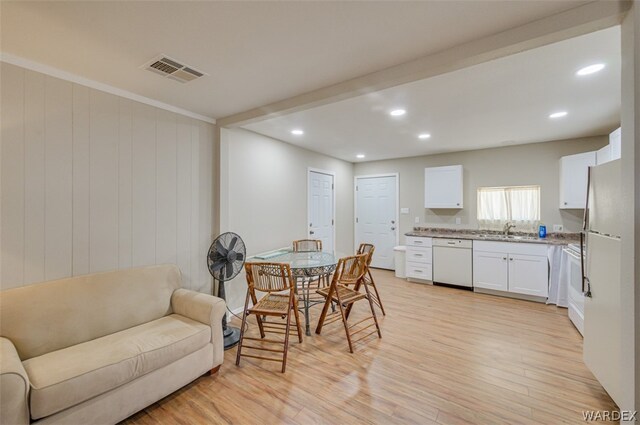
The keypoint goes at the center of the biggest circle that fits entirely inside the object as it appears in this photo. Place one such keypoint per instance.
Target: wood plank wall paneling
(58, 148)
(12, 175)
(81, 160)
(93, 182)
(34, 176)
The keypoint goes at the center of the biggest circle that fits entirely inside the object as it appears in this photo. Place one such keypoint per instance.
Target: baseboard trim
(511, 295)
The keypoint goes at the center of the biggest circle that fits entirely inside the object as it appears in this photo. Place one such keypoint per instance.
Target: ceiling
(506, 101)
(255, 53)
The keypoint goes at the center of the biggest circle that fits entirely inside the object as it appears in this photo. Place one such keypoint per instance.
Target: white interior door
(376, 217)
(321, 199)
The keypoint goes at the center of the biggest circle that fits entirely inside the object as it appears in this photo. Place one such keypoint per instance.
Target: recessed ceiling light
(297, 132)
(558, 114)
(590, 69)
(360, 156)
(424, 136)
(397, 112)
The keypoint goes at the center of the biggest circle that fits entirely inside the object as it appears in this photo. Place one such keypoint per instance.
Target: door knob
(311, 232)
(393, 228)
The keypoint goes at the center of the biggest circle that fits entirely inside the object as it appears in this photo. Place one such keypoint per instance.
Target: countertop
(479, 235)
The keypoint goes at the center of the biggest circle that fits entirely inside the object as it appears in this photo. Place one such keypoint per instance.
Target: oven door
(576, 297)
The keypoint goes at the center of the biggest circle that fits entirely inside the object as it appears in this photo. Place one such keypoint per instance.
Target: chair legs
(343, 313)
(375, 297)
(270, 327)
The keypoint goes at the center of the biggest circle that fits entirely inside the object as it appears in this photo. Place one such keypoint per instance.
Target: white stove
(576, 297)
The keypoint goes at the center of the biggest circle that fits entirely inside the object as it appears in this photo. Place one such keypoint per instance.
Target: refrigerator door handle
(583, 235)
(585, 218)
(585, 280)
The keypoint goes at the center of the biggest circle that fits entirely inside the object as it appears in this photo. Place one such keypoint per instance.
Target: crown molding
(67, 76)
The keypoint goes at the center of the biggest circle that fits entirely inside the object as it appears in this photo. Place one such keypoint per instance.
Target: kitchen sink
(508, 237)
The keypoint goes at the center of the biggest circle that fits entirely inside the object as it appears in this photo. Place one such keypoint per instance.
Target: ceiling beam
(574, 22)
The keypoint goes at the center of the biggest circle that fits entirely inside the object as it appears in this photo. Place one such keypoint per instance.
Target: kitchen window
(519, 205)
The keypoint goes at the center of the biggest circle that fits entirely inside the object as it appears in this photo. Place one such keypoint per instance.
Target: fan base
(231, 337)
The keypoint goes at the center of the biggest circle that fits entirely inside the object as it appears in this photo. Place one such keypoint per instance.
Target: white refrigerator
(601, 277)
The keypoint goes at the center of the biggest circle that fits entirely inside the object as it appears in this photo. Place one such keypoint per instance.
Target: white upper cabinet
(603, 155)
(443, 187)
(573, 179)
(615, 141)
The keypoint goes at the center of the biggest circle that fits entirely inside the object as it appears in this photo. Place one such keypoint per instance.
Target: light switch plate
(417, 220)
(458, 220)
(404, 210)
(558, 227)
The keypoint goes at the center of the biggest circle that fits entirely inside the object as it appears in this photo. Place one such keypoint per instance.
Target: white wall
(264, 195)
(531, 164)
(93, 182)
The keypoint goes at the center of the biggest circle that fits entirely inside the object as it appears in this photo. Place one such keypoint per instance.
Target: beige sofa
(95, 349)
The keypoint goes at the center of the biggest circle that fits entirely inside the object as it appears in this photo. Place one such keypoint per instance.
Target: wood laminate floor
(447, 356)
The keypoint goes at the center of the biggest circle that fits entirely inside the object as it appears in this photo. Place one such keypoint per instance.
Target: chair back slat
(307, 245)
(268, 277)
(367, 248)
(351, 269)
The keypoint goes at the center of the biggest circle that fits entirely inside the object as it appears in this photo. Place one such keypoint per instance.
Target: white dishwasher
(453, 262)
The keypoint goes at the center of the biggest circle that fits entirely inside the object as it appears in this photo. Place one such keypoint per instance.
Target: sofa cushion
(50, 316)
(66, 377)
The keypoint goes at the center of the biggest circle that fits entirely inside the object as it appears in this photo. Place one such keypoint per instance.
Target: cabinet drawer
(419, 255)
(418, 241)
(419, 271)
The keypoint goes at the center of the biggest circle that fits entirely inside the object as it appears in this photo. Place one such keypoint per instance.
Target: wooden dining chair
(311, 245)
(342, 292)
(276, 281)
(307, 245)
(367, 279)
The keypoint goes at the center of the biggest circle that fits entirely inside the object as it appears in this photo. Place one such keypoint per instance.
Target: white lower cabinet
(529, 275)
(419, 259)
(521, 268)
(490, 271)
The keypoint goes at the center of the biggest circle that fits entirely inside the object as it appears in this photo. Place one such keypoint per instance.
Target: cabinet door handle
(511, 259)
(417, 255)
(504, 258)
(417, 242)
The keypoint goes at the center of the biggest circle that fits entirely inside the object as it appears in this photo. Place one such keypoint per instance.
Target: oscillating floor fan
(225, 260)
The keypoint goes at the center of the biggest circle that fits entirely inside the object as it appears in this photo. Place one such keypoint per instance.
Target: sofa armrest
(14, 386)
(205, 309)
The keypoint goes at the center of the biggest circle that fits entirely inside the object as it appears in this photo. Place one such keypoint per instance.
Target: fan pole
(231, 334)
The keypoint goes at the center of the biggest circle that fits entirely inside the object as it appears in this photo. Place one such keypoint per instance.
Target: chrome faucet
(507, 227)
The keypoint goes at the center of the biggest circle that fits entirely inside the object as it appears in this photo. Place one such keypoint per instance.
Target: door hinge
(332, 186)
(332, 222)
(356, 188)
(356, 219)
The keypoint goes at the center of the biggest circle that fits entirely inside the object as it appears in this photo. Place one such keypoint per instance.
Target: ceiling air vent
(170, 68)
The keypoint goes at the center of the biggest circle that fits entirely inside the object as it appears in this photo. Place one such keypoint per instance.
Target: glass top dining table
(303, 264)
(305, 268)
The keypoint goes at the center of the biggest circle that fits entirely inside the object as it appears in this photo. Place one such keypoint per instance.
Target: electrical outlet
(458, 220)
(558, 227)
(417, 220)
